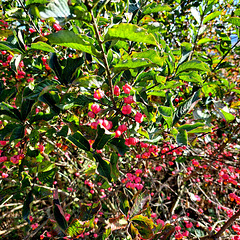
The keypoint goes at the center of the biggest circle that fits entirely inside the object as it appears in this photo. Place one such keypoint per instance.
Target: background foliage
(119, 119)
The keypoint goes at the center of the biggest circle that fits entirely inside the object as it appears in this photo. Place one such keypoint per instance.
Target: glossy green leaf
(102, 138)
(227, 116)
(63, 132)
(17, 133)
(190, 127)
(120, 145)
(103, 168)
(26, 206)
(196, 14)
(193, 65)
(131, 32)
(10, 47)
(7, 130)
(167, 114)
(42, 117)
(54, 64)
(80, 141)
(182, 138)
(205, 40)
(211, 16)
(186, 106)
(58, 10)
(43, 47)
(71, 40)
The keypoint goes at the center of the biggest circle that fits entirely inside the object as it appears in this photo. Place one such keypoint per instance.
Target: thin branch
(30, 18)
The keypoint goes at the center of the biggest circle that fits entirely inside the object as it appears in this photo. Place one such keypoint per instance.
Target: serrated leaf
(103, 168)
(193, 65)
(71, 40)
(80, 141)
(182, 138)
(131, 32)
(42, 46)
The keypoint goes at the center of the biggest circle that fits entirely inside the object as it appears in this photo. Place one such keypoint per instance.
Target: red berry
(57, 27)
(177, 100)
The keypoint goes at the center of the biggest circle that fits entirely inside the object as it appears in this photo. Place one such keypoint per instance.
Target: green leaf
(211, 16)
(28, 2)
(193, 65)
(79, 140)
(55, 66)
(76, 228)
(42, 117)
(58, 10)
(182, 138)
(63, 132)
(17, 133)
(47, 177)
(155, 7)
(205, 40)
(144, 225)
(140, 203)
(167, 114)
(103, 168)
(234, 20)
(41, 88)
(102, 138)
(58, 212)
(45, 166)
(88, 81)
(165, 233)
(51, 99)
(88, 212)
(127, 31)
(119, 143)
(71, 40)
(7, 130)
(26, 206)
(42, 46)
(186, 106)
(8, 110)
(139, 59)
(190, 127)
(191, 77)
(69, 71)
(10, 47)
(227, 116)
(114, 167)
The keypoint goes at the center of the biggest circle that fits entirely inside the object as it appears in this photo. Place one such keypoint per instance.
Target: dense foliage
(119, 119)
